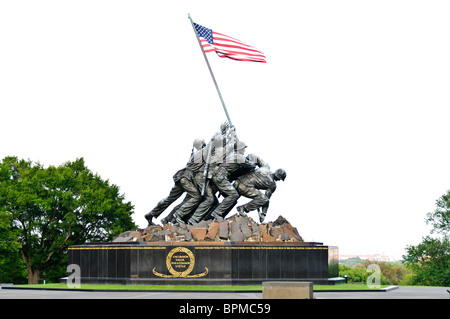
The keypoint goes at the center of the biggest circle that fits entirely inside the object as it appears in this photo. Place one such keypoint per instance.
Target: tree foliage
(430, 259)
(12, 267)
(390, 273)
(430, 262)
(51, 208)
(440, 217)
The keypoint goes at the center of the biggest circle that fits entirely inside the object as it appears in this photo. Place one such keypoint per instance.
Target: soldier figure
(223, 144)
(248, 185)
(220, 178)
(183, 180)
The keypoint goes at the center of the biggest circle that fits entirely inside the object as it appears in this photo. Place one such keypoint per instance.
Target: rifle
(206, 170)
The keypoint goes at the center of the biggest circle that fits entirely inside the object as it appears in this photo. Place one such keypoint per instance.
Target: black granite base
(214, 263)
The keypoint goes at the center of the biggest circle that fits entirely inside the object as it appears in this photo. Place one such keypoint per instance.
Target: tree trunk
(33, 276)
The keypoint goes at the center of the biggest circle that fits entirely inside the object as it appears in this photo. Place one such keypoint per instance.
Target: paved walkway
(399, 293)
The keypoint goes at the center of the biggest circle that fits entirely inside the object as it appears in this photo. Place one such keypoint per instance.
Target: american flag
(227, 47)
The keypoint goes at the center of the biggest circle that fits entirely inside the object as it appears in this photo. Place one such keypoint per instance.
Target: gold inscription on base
(180, 262)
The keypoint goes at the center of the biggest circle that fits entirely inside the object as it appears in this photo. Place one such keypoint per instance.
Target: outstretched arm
(270, 191)
(265, 208)
(258, 161)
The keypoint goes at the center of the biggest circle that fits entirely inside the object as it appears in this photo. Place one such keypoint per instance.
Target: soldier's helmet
(199, 143)
(218, 140)
(240, 145)
(280, 174)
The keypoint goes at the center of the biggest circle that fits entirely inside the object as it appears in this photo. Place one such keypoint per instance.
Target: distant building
(374, 257)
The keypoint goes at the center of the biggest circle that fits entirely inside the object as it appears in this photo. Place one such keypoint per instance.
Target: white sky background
(353, 103)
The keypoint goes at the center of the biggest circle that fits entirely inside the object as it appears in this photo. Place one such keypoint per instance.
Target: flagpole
(210, 71)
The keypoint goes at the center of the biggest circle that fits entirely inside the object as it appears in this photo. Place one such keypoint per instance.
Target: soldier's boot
(241, 211)
(261, 215)
(178, 219)
(165, 220)
(149, 218)
(217, 217)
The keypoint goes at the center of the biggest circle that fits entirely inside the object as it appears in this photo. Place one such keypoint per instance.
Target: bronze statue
(248, 185)
(211, 169)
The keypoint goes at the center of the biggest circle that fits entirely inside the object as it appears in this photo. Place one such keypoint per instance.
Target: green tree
(354, 274)
(430, 262)
(440, 217)
(430, 259)
(392, 272)
(360, 274)
(12, 268)
(51, 208)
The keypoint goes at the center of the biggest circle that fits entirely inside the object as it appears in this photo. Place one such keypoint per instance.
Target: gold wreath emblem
(180, 261)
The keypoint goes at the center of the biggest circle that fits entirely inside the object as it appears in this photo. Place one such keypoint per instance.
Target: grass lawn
(346, 287)
(192, 288)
